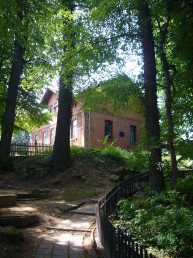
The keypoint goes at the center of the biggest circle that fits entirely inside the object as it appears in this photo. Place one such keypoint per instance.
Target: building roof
(47, 96)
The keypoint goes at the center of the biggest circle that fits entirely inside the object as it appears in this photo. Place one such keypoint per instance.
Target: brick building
(88, 128)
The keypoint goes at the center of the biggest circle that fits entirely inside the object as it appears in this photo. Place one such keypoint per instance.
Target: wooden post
(36, 150)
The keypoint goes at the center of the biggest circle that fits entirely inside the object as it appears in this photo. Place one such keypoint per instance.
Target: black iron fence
(117, 243)
(22, 149)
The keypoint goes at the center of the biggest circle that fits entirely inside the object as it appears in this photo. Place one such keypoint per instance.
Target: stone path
(68, 243)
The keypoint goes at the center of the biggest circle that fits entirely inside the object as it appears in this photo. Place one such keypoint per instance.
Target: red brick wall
(77, 114)
(97, 127)
(53, 99)
(120, 124)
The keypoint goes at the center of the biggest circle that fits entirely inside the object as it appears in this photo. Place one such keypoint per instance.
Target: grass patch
(83, 194)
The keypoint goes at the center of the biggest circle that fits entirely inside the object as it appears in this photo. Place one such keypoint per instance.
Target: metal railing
(116, 242)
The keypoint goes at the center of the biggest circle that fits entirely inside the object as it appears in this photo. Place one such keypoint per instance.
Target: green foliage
(82, 194)
(138, 159)
(163, 221)
(37, 166)
(35, 34)
(116, 96)
(101, 155)
(185, 150)
(132, 160)
(21, 137)
(185, 187)
(114, 178)
(7, 164)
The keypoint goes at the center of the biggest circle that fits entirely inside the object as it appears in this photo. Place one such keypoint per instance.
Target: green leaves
(116, 96)
(162, 221)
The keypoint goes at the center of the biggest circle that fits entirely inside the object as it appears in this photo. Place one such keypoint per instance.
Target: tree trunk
(61, 153)
(174, 168)
(151, 108)
(1, 61)
(16, 71)
(9, 115)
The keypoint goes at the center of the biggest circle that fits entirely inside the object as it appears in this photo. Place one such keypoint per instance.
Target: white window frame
(74, 129)
(44, 138)
(52, 136)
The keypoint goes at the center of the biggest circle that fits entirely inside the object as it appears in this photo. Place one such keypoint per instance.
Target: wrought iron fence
(117, 243)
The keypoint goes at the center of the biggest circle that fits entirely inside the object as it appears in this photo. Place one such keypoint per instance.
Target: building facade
(89, 129)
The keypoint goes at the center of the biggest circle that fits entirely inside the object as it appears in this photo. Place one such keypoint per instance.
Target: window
(44, 138)
(109, 129)
(36, 138)
(121, 134)
(125, 103)
(133, 136)
(51, 109)
(74, 129)
(56, 107)
(52, 136)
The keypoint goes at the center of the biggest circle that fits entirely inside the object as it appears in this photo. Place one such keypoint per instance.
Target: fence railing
(22, 149)
(116, 242)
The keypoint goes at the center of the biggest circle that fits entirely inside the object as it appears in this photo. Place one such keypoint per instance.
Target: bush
(163, 221)
(7, 164)
(106, 154)
(138, 160)
(185, 187)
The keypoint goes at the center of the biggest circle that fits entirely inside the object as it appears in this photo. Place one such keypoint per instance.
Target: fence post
(36, 149)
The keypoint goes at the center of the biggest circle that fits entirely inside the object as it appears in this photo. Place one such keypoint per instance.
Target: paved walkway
(69, 242)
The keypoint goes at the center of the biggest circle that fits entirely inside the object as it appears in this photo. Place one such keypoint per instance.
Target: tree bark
(16, 71)
(165, 67)
(61, 158)
(151, 108)
(9, 115)
(168, 103)
(61, 152)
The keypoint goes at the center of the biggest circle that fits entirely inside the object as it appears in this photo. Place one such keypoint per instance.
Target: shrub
(164, 221)
(138, 159)
(185, 186)
(7, 164)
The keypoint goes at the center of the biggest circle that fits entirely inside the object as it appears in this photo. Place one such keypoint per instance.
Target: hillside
(92, 174)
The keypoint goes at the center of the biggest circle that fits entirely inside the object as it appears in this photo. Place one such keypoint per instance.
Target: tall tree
(151, 107)
(84, 51)
(118, 20)
(173, 36)
(168, 71)
(61, 151)
(16, 71)
(26, 61)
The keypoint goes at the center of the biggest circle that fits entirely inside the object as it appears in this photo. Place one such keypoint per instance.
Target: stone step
(87, 209)
(24, 196)
(69, 207)
(10, 233)
(71, 229)
(19, 221)
(35, 194)
(7, 200)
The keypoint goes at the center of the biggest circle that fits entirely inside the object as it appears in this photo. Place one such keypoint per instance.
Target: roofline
(46, 96)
